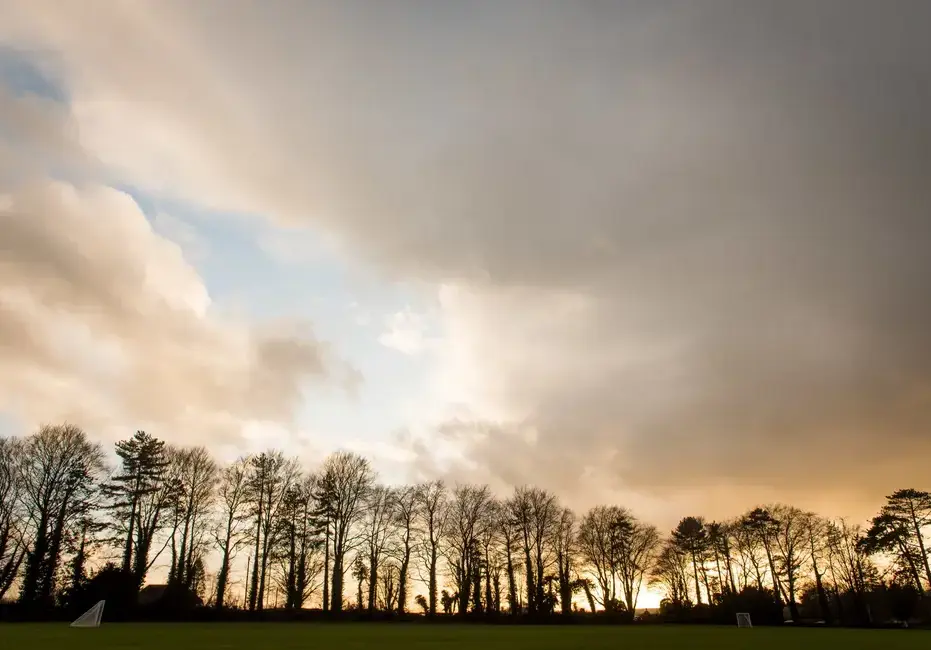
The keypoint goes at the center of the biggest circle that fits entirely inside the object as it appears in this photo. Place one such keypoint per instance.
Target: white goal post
(743, 620)
(92, 617)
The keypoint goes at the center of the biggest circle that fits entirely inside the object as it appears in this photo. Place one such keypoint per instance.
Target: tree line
(337, 539)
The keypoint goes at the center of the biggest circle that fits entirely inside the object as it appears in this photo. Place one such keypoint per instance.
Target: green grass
(373, 636)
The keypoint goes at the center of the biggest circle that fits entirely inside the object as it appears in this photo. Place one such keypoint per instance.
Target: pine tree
(143, 463)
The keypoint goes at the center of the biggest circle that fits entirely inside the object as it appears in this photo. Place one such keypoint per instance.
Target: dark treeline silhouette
(335, 543)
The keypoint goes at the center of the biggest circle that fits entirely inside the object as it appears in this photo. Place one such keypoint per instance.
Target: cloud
(406, 332)
(106, 323)
(686, 246)
(182, 233)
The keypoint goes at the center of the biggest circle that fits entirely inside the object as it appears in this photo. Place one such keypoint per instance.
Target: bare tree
(157, 517)
(271, 476)
(406, 516)
(378, 521)
(598, 549)
(637, 544)
(388, 586)
(197, 478)
(750, 553)
(791, 548)
(467, 510)
(487, 572)
(564, 542)
(719, 539)
(849, 563)
(230, 529)
(816, 532)
(510, 544)
(535, 512)
(765, 528)
(671, 573)
(299, 544)
(60, 473)
(348, 477)
(12, 518)
(433, 511)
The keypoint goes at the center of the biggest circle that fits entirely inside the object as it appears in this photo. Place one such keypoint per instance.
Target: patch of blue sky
(346, 305)
(29, 73)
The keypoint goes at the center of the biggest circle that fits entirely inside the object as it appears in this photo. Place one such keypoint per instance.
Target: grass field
(285, 636)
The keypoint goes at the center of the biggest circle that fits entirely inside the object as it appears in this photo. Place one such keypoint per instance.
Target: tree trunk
(722, 584)
(465, 591)
(777, 587)
(373, 581)
(432, 579)
(128, 545)
(223, 578)
(326, 567)
(728, 560)
(489, 598)
(512, 583)
(336, 596)
(697, 585)
(921, 546)
(254, 587)
(590, 596)
(402, 577)
(531, 587)
(476, 588)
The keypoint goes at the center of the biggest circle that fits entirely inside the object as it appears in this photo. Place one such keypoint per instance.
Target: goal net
(743, 620)
(90, 618)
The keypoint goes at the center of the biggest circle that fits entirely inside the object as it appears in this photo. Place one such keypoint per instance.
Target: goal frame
(743, 620)
(92, 617)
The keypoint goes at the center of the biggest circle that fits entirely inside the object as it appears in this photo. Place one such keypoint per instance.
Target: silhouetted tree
(564, 543)
(348, 478)
(406, 511)
(692, 539)
(143, 464)
(467, 514)
(534, 512)
(910, 509)
(670, 573)
(60, 472)
(526, 550)
(891, 534)
(379, 513)
(271, 476)
(230, 531)
(790, 543)
(636, 546)
(597, 546)
(13, 545)
(299, 543)
(816, 529)
(197, 479)
(433, 511)
(765, 529)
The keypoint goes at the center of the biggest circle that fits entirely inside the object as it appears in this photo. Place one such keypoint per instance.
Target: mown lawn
(373, 636)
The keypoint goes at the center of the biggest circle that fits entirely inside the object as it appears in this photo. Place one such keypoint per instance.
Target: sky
(665, 254)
